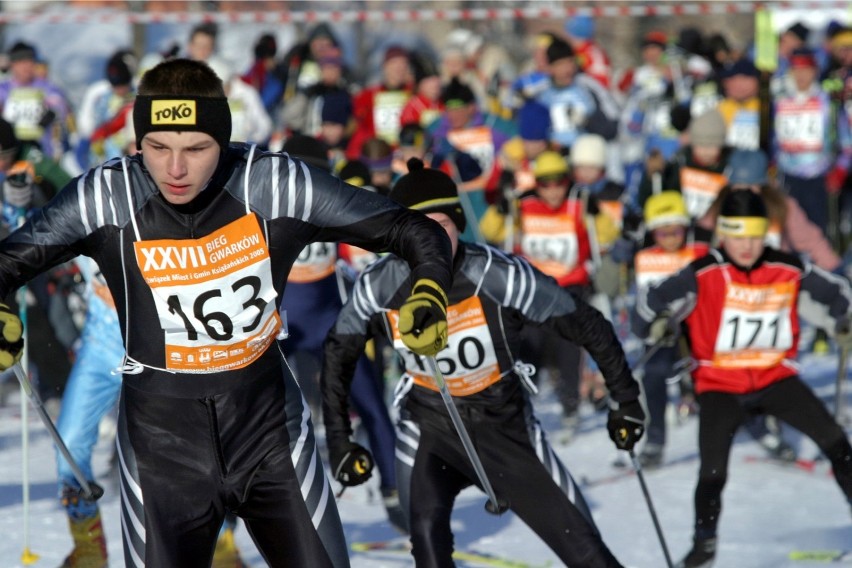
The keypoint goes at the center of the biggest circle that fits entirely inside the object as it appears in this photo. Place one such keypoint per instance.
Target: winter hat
(429, 191)
(355, 172)
(22, 51)
(395, 51)
(457, 94)
(665, 208)
(265, 47)
(743, 214)
(588, 150)
(336, 108)
(422, 66)
(8, 140)
(655, 37)
(708, 129)
(120, 68)
(550, 164)
(803, 57)
(580, 27)
(690, 40)
(843, 38)
(747, 167)
(743, 66)
(310, 150)
(799, 30)
(559, 49)
(533, 121)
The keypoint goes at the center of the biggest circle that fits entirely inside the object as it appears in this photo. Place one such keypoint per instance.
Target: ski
(825, 556)
(470, 557)
(806, 465)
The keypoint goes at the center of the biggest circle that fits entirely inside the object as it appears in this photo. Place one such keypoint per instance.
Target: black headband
(182, 113)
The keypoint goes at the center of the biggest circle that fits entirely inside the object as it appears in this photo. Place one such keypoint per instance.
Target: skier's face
(452, 230)
(181, 163)
(744, 251)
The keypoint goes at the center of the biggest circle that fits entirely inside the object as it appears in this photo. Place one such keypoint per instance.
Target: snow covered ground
(769, 509)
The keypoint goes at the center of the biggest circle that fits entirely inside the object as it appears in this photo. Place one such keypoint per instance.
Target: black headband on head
(182, 113)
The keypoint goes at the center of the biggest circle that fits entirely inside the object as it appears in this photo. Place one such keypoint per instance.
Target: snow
(769, 509)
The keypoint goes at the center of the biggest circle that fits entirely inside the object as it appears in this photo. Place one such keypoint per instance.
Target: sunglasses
(669, 232)
(551, 181)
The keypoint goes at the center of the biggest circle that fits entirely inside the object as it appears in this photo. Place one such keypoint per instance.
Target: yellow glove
(423, 318)
(11, 338)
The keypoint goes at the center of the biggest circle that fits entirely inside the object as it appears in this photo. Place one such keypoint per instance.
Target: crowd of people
(687, 202)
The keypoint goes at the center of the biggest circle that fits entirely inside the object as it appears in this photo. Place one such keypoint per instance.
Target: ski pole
(91, 491)
(464, 200)
(641, 477)
(640, 364)
(27, 555)
(841, 378)
(493, 506)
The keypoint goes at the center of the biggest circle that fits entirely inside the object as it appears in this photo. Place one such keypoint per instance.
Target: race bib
(654, 266)
(315, 262)
(800, 126)
(699, 189)
(387, 108)
(24, 109)
(468, 363)
(214, 297)
(550, 243)
(756, 329)
(744, 131)
(477, 142)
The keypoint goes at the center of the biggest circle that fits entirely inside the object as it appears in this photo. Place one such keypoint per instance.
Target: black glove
(626, 424)
(423, 318)
(351, 463)
(506, 195)
(11, 338)
(47, 118)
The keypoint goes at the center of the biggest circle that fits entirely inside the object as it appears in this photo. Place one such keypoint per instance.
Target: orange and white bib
(699, 189)
(550, 242)
(756, 329)
(315, 262)
(652, 266)
(214, 296)
(468, 363)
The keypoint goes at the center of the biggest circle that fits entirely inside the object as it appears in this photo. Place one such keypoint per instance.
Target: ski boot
(87, 531)
(227, 555)
(777, 447)
(396, 516)
(651, 456)
(701, 556)
(89, 543)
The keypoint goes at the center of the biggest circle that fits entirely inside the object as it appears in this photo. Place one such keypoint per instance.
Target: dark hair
(775, 201)
(206, 28)
(181, 77)
(743, 204)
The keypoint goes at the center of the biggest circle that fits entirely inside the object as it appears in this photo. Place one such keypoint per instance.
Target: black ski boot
(701, 556)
